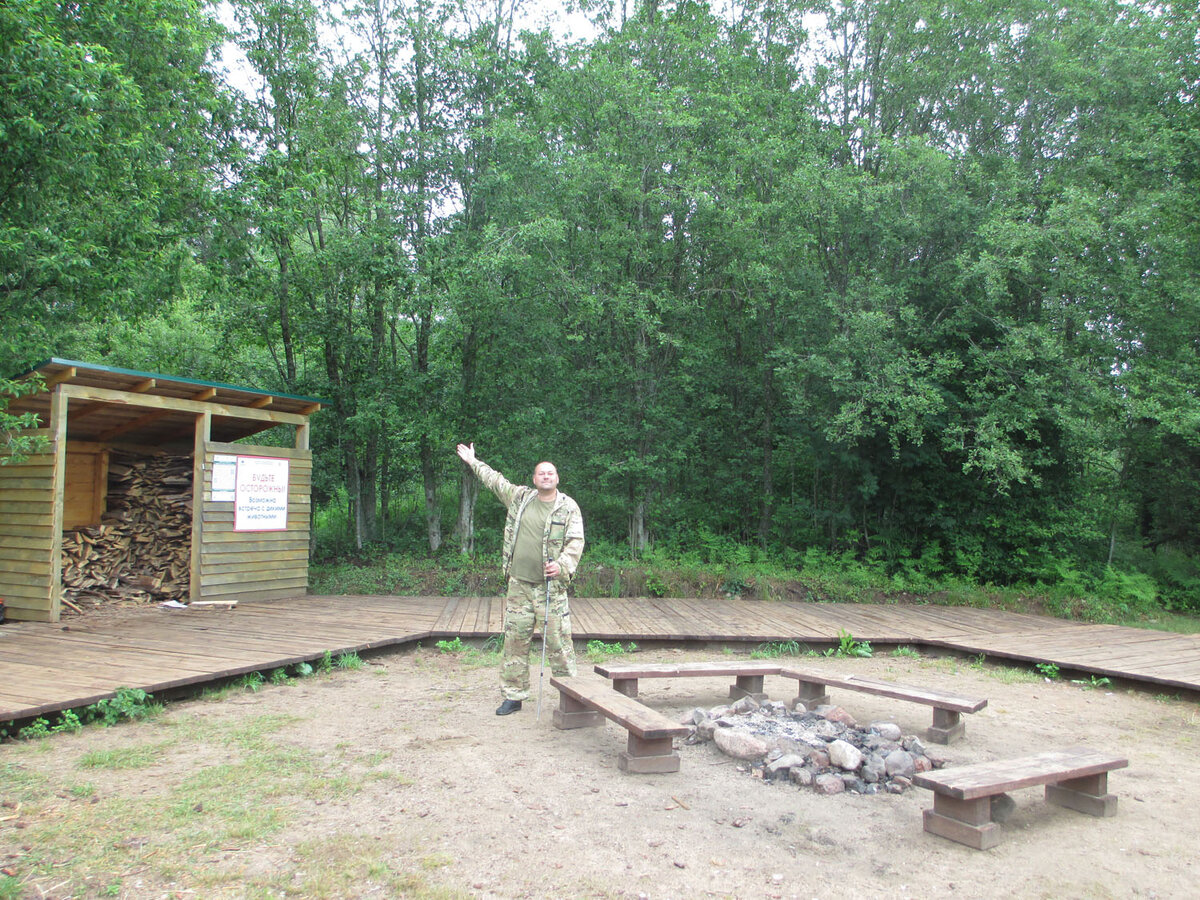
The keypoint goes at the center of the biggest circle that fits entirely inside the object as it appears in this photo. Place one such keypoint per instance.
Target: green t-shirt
(528, 564)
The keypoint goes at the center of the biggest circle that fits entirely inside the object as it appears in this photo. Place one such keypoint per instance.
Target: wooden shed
(247, 508)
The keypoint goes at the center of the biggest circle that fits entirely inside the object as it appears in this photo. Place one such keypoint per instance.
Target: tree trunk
(353, 496)
(639, 534)
(433, 518)
(468, 493)
(368, 485)
(768, 434)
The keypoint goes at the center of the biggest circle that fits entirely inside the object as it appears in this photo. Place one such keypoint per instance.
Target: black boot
(508, 706)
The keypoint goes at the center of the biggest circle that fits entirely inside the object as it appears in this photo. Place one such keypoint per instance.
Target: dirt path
(398, 780)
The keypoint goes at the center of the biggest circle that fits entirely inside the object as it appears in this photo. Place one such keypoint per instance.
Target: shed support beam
(200, 448)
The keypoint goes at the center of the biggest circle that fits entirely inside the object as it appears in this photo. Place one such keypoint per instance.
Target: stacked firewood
(141, 550)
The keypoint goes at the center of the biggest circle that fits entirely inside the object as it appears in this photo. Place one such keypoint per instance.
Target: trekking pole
(545, 629)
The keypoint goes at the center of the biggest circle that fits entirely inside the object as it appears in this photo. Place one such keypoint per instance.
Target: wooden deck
(45, 668)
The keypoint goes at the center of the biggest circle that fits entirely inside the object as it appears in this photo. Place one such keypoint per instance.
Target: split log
(141, 550)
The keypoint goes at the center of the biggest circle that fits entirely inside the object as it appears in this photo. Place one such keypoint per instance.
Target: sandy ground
(485, 806)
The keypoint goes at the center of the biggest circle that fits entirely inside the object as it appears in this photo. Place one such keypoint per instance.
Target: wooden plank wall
(264, 565)
(29, 566)
(86, 485)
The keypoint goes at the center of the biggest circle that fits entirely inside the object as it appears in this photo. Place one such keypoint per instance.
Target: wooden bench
(1076, 778)
(748, 675)
(947, 708)
(585, 702)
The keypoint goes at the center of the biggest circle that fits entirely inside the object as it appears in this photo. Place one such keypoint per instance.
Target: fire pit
(823, 749)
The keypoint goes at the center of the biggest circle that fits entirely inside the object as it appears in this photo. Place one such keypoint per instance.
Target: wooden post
(748, 686)
(571, 713)
(626, 686)
(947, 726)
(812, 693)
(199, 500)
(965, 821)
(1088, 795)
(58, 440)
(648, 756)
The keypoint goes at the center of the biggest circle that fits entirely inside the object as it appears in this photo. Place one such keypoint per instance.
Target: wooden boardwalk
(45, 668)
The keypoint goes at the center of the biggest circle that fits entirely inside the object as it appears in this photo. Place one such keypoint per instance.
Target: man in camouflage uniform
(543, 541)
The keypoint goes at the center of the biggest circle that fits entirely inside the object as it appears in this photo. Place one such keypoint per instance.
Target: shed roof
(126, 406)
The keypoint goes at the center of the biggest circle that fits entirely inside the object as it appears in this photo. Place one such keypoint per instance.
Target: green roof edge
(54, 360)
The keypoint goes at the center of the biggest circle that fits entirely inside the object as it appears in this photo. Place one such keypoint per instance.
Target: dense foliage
(913, 283)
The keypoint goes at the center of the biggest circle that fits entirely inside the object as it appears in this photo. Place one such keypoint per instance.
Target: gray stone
(704, 731)
(745, 705)
(845, 755)
(899, 762)
(783, 745)
(889, 731)
(814, 740)
(839, 715)
(829, 784)
(801, 776)
(739, 743)
(799, 708)
(790, 761)
(827, 730)
(914, 746)
(874, 769)
(695, 717)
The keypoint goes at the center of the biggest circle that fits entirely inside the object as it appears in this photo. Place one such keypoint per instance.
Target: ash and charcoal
(823, 749)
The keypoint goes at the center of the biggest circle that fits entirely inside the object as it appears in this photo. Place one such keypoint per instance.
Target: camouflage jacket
(563, 540)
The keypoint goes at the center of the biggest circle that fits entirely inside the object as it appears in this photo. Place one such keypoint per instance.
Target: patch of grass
(599, 651)
(476, 658)
(250, 734)
(343, 866)
(349, 661)
(436, 861)
(1092, 682)
(127, 705)
(122, 757)
(451, 646)
(1014, 675)
(22, 785)
(1048, 669)
(848, 646)
(170, 829)
(35, 730)
(906, 653)
(776, 649)
(251, 681)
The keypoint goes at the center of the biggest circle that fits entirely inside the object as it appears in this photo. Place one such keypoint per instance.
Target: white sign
(262, 494)
(224, 478)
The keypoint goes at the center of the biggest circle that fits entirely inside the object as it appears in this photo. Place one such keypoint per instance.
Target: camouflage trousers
(524, 607)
